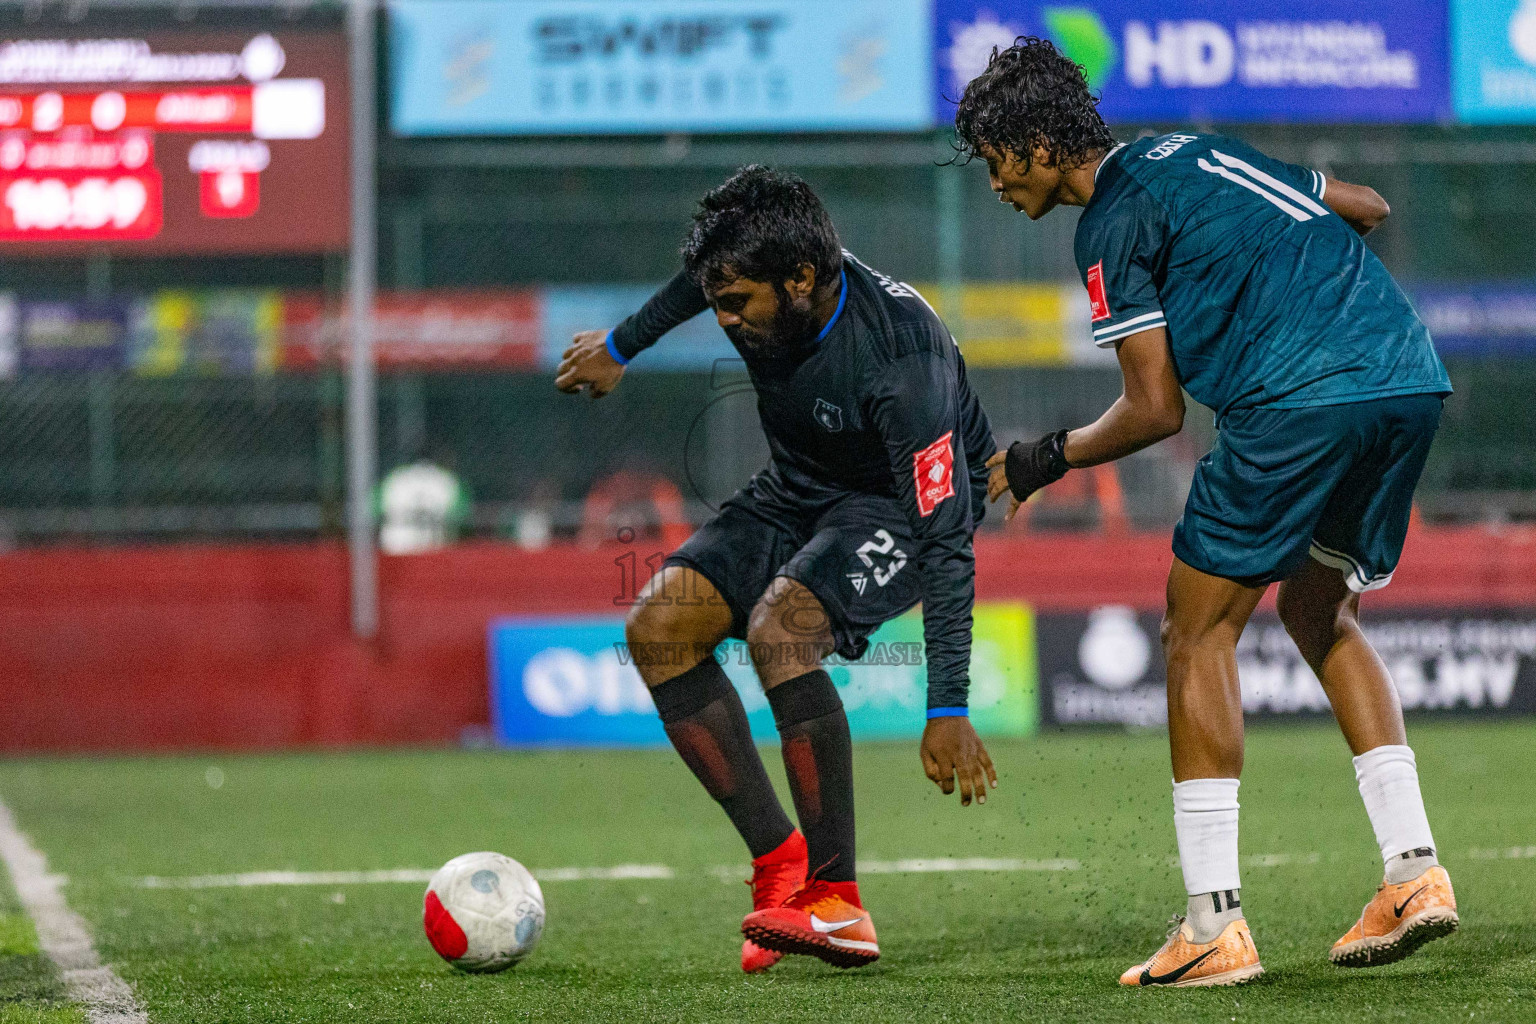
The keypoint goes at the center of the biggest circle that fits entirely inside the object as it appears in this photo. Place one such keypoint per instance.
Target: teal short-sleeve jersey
(1269, 298)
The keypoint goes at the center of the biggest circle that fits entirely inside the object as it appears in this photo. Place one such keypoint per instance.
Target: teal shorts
(1334, 483)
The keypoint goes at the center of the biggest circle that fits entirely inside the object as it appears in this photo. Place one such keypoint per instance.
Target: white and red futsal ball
(484, 912)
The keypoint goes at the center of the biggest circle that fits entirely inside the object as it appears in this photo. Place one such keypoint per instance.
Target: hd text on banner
(554, 67)
(1244, 60)
(570, 681)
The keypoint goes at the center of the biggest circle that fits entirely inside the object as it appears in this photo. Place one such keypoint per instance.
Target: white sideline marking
(63, 934)
(1280, 860)
(1508, 853)
(728, 872)
(926, 865)
(944, 865)
(420, 876)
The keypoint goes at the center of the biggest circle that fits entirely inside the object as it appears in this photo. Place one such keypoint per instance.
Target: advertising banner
(555, 67)
(1247, 60)
(1493, 43)
(1479, 320)
(425, 330)
(72, 336)
(569, 681)
(174, 141)
(996, 323)
(10, 343)
(1019, 323)
(229, 332)
(1106, 667)
(696, 345)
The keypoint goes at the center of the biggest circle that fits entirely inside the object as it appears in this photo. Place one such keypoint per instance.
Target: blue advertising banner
(72, 336)
(552, 67)
(1245, 60)
(1479, 320)
(1493, 43)
(568, 681)
(697, 344)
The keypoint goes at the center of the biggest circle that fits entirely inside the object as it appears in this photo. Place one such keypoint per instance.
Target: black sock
(707, 724)
(818, 757)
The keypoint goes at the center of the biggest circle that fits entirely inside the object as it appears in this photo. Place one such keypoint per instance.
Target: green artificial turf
(30, 992)
(1027, 945)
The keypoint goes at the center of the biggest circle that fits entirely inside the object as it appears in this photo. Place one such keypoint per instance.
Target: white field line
(728, 872)
(63, 934)
(420, 876)
(1280, 860)
(417, 876)
(946, 865)
(1505, 853)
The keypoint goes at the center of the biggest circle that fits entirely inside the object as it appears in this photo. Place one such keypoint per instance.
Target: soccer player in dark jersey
(1214, 269)
(876, 483)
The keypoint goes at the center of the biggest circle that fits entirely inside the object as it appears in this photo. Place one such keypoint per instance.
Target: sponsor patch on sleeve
(933, 471)
(1098, 305)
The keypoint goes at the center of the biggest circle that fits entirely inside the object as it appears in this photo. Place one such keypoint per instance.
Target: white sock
(1205, 819)
(1209, 913)
(1389, 785)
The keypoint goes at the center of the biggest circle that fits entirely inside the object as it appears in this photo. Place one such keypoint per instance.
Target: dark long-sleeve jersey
(878, 404)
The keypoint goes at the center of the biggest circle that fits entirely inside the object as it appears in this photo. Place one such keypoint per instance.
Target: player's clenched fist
(588, 364)
(953, 753)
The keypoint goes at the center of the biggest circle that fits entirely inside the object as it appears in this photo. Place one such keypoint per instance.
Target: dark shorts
(854, 554)
(1334, 483)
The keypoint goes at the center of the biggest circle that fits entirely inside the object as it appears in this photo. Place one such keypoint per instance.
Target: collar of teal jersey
(841, 299)
(1117, 147)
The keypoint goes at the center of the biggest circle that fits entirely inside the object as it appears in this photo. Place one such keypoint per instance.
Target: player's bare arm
(1360, 206)
(1149, 409)
(587, 365)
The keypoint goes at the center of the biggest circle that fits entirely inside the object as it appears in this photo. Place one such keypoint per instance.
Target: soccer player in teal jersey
(1214, 269)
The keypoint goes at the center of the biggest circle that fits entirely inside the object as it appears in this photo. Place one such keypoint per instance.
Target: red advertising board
(442, 330)
(178, 141)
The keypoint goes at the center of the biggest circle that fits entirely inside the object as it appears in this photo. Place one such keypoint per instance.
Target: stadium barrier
(249, 646)
(257, 332)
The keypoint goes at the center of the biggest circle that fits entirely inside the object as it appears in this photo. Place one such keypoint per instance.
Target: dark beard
(788, 338)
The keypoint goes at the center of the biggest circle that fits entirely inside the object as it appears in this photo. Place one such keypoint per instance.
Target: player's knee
(787, 625)
(1186, 641)
(1177, 638)
(765, 626)
(1310, 621)
(659, 630)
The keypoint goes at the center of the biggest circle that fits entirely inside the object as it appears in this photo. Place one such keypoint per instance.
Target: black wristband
(1030, 467)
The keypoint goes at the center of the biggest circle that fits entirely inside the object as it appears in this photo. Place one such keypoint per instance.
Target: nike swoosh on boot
(832, 926)
(1399, 908)
(1177, 973)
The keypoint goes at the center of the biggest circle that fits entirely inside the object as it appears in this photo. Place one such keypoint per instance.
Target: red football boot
(824, 920)
(775, 876)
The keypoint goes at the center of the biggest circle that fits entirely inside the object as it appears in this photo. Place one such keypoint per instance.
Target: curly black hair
(763, 225)
(1031, 95)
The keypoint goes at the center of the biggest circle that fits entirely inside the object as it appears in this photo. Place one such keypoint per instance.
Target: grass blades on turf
(983, 946)
(30, 990)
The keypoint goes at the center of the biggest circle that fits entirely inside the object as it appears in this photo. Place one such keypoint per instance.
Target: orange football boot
(1230, 959)
(823, 919)
(1400, 919)
(775, 877)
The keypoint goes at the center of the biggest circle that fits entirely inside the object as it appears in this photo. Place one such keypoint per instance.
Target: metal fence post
(362, 273)
(949, 210)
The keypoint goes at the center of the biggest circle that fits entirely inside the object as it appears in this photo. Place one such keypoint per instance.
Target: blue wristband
(949, 712)
(612, 351)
